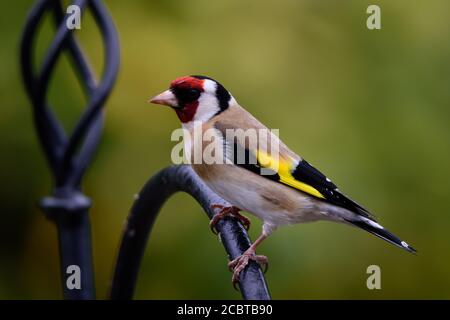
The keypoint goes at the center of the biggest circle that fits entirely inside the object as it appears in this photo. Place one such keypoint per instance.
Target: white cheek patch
(209, 86)
(208, 105)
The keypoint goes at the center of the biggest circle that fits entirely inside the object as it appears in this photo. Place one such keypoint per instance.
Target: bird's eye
(186, 95)
(192, 94)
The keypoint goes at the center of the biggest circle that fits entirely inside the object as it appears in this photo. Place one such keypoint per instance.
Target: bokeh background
(371, 109)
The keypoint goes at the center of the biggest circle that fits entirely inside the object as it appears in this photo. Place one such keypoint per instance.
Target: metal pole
(143, 215)
(69, 155)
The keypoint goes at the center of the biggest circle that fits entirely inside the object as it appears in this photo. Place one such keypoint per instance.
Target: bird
(278, 187)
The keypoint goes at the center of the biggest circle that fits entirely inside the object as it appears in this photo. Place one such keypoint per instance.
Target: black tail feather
(382, 233)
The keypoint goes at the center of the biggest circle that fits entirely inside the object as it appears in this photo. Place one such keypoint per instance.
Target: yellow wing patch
(284, 169)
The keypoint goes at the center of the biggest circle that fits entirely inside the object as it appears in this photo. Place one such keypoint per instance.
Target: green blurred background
(371, 109)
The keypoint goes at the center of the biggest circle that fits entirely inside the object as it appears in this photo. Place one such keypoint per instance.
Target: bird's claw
(230, 212)
(238, 264)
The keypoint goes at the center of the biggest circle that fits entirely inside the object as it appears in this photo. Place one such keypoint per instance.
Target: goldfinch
(279, 187)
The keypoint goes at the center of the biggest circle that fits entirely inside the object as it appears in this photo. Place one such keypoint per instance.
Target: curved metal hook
(143, 214)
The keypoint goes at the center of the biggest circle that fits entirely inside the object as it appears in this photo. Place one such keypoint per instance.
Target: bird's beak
(167, 98)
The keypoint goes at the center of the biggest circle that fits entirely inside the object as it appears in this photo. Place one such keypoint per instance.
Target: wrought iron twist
(68, 155)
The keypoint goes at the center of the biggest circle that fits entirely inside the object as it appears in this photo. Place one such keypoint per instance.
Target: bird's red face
(194, 98)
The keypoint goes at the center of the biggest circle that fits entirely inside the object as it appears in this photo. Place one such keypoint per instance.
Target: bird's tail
(375, 229)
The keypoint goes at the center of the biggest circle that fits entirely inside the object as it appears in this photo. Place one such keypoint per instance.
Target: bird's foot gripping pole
(238, 264)
(225, 211)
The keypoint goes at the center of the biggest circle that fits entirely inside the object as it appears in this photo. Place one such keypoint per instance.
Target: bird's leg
(227, 212)
(238, 264)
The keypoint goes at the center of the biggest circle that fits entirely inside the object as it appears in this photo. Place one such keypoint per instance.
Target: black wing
(306, 173)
